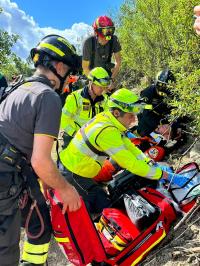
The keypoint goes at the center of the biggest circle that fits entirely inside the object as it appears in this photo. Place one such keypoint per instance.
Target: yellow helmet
(99, 76)
(127, 101)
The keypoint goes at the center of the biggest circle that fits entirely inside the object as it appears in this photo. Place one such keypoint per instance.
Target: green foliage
(6, 43)
(17, 66)
(10, 63)
(159, 33)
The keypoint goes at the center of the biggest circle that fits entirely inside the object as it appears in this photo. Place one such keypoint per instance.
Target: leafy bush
(156, 34)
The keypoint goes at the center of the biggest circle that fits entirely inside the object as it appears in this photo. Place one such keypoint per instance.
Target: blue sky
(64, 13)
(33, 19)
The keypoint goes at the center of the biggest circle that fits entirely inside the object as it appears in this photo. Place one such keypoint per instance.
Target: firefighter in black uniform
(29, 123)
(157, 94)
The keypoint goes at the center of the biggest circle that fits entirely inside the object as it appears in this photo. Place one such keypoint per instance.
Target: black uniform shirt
(159, 102)
(101, 52)
(33, 108)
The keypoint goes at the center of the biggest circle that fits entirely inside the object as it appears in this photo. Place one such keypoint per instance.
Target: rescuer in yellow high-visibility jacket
(101, 137)
(84, 104)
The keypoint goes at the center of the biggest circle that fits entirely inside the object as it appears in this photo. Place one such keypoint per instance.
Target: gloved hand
(165, 168)
(177, 179)
(130, 135)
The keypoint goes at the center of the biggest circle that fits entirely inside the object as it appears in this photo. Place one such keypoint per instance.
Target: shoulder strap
(102, 131)
(93, 39)
(4, 93)
(110, 50)
(89, 144)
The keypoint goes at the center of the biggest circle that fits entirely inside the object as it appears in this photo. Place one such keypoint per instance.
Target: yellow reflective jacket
(106, 134)
(79, 109)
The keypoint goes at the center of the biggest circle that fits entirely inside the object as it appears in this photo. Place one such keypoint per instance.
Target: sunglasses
(103, 81)
(106, 31)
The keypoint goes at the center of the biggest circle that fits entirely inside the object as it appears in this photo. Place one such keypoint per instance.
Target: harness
(94, 46)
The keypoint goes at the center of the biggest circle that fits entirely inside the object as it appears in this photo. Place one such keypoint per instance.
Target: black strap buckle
(11, 156)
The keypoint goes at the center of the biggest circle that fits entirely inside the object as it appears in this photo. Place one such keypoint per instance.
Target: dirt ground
(181, 247)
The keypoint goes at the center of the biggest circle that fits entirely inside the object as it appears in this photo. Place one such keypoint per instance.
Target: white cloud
(16, 21)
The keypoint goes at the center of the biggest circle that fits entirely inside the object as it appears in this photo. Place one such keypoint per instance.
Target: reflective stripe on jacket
(78, 110)
(106, 134)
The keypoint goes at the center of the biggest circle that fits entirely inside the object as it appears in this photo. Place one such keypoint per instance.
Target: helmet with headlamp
(165, 80)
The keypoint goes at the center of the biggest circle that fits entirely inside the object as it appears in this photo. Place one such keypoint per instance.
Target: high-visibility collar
(115, 121)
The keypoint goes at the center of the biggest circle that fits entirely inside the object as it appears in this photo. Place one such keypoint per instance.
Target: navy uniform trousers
(12, 217)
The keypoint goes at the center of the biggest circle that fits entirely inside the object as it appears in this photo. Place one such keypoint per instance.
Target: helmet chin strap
(61, 79)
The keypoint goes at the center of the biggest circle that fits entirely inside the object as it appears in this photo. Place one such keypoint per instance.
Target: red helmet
(104, 27)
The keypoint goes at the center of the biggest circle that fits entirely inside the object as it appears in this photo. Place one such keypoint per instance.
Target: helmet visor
(104, 82)
(106, 31)
(135, 107)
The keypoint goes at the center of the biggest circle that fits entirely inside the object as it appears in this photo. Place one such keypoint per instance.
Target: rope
(180, 159)
(34, 206)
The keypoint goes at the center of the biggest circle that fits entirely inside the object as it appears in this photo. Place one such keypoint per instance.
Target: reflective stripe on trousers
(36, 250)
(36, 254)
